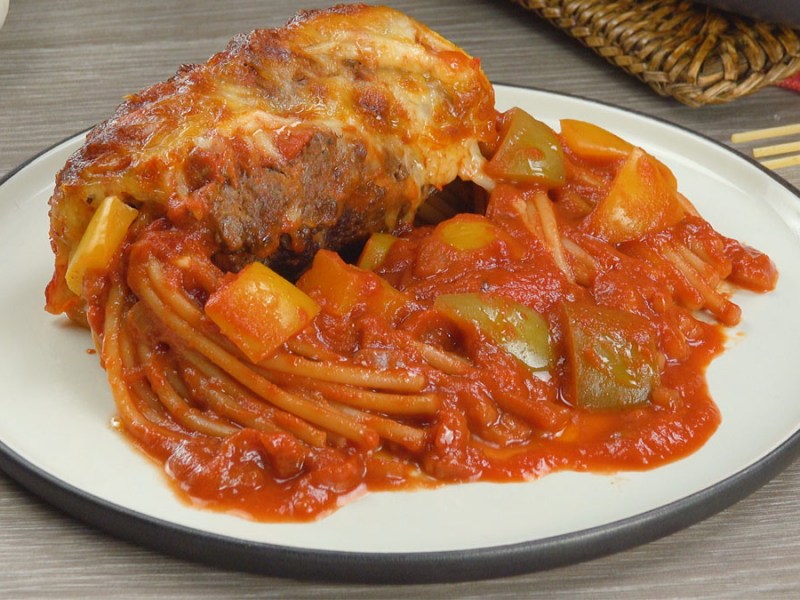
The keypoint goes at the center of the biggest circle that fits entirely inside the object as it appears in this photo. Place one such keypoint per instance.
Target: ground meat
(330, 195)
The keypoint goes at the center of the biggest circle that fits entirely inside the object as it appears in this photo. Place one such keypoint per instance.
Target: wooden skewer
(780, 163)
(776, 149)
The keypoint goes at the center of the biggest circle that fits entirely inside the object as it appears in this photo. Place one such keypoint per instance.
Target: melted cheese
(368, 74)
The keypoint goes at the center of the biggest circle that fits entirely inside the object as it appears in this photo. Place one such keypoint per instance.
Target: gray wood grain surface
(66, 64)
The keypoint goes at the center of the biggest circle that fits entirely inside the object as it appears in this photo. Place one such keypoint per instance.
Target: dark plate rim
(417, 567)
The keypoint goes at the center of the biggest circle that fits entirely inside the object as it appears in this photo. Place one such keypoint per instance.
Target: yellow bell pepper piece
(375, 251)
(258, 310)
(101, 240)
(593, 143)
(467, 234)
(643, 198)
(340, 287)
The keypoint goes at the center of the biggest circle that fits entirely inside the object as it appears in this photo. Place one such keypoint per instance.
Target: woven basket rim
(691, 52)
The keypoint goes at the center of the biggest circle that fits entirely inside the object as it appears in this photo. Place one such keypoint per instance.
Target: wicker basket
(695, 54)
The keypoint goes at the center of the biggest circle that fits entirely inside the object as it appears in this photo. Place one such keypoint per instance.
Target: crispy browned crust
(307, 136)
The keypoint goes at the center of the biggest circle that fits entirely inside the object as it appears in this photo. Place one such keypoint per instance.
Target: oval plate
(56, 438)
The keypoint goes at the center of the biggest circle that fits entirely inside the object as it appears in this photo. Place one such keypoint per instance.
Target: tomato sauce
(532, 338)
(501, 421)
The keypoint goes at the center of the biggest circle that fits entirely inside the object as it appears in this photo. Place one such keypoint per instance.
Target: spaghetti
(542, 316)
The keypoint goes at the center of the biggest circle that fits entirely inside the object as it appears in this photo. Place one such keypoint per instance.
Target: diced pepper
(340, 287)
(530, 152)
(612, 357)
(522, 332)
(387, 300)
(258, 310)
(593, 143)
(642, 198)
(375, 251)
(332, 284)
(464, 241)
(101, 240)
(466, 233)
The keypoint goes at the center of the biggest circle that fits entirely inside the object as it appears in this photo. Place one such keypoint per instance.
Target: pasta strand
(321, 416)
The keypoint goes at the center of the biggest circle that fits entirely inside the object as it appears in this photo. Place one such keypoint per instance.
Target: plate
(56, 437)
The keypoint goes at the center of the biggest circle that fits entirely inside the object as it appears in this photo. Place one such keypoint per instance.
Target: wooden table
(65, 64)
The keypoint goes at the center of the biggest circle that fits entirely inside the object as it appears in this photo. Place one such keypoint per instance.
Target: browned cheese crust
(312, 135)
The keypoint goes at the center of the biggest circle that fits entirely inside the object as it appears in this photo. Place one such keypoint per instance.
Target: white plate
(55, 435)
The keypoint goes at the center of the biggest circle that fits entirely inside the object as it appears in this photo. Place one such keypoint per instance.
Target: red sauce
(498, 421)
